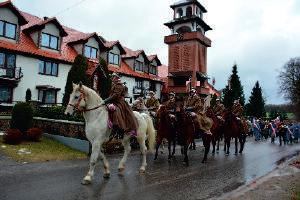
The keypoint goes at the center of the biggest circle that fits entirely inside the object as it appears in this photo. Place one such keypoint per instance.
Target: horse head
(82, 97)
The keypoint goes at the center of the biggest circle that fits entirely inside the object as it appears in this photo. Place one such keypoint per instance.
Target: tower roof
(181, 20)
(188, 2)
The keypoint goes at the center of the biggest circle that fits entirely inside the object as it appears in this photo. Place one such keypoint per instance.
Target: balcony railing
(11, 73)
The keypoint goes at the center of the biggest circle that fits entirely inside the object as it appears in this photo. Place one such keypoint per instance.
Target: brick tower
(187, 47)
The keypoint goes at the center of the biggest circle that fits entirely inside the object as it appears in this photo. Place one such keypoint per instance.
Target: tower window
(184, 29)
(189, 11)
(179, 13)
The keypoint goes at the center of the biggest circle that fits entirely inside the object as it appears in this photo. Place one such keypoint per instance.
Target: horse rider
(219, 109)
(193, 103)
(139, 105)
(152, 103)
(171, 103)
(122, 117)
(237, 109)
(205, 123)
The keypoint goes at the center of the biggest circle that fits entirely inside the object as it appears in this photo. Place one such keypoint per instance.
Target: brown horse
(165, 130)
(216, 129)
(233, 129)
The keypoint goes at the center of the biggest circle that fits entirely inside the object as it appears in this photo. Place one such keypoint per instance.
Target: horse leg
(127, 149)
(236, 145)
(174, 145)
(169, 150)
(227, 144)
(242, 143)
(96, 151)
(186, 158)
(143, 149)
(213, 141)
(218, 144)
(156, 149)
(206, 143)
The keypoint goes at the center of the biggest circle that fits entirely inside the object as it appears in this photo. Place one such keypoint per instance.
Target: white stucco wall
(7, 15)
(50, 28)
(31, 78)
(78, 48)
(35, 37)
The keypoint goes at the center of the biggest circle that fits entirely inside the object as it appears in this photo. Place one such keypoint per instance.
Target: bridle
(83, 97)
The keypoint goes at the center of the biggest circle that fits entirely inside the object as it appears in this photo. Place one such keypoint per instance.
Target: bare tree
(289, 79)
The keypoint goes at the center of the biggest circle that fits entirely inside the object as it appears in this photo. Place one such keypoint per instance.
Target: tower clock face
(180, 37)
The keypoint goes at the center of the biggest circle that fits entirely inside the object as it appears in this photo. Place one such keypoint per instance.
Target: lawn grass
(45, 150)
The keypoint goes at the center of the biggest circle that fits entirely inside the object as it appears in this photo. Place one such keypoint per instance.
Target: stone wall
(52, 126)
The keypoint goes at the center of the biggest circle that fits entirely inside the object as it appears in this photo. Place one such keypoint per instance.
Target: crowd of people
(285, 131)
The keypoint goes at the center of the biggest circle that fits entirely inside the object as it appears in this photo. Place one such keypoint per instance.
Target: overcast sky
(259, 35)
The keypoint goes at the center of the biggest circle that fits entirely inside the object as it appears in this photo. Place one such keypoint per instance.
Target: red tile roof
(41, 25)
(67, 53)
(131, 53)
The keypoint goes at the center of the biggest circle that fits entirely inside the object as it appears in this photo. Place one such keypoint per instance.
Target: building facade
(37, 54)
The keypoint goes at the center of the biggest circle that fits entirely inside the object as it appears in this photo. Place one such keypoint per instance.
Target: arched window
(179, 13)
(189, 11)
(184, 29)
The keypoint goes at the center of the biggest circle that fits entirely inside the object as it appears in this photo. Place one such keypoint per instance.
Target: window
(47, 96)
(114, 58)
(138, 84)
(189, 11)
(90, 52)
(7, 65)
(139, 65)
(49, 41)
(8, 30)
(152, 69)
(5, 94)
(48, 68)
(179, 13)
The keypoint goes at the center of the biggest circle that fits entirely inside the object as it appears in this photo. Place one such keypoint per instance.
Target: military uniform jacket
(237, 110)
(193, 102)
(219, 109)
(171, 105)
(152, 103)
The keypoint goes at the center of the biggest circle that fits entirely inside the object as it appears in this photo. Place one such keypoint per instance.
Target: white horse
(97, 131)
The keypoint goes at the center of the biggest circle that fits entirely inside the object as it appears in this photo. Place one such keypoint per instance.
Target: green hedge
(57, 112)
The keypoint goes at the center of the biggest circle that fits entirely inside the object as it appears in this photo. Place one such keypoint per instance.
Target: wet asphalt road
(61, 180)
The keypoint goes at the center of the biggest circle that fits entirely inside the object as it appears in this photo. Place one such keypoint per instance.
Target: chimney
(45, 18)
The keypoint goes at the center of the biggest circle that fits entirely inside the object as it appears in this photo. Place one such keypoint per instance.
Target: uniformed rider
(152, 103)
(219, 109)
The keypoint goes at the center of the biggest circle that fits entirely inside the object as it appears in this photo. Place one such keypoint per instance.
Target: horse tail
(151, 133)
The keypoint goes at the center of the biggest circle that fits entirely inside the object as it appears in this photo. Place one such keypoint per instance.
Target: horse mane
(93, 94)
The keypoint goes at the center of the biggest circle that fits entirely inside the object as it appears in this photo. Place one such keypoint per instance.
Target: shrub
(34, 134)
(56, 112)
(28, 95)
(22, 117)
(12, 136)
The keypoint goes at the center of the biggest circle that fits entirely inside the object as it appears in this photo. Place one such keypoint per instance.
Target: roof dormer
(137, 60)
(11, 19)
(154, 63)
(88, 45)
(114, 52)
(47, 34)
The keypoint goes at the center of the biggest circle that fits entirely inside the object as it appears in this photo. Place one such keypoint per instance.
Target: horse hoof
(121, 171)
(236, 153)
(86, 182)
(155, 158)
(142, 171)
(226, 154)
(204, 161)
(106, 175)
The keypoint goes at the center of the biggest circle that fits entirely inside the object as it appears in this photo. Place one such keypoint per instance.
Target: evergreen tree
(76, 74)
(234, 89)
(256, 102)
(105, 79)
(28, 95)
(213, 100)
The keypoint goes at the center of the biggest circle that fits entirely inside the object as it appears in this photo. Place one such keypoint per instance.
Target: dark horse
(216, 129)
(233, 129)
(165, 130)
(187, 127)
